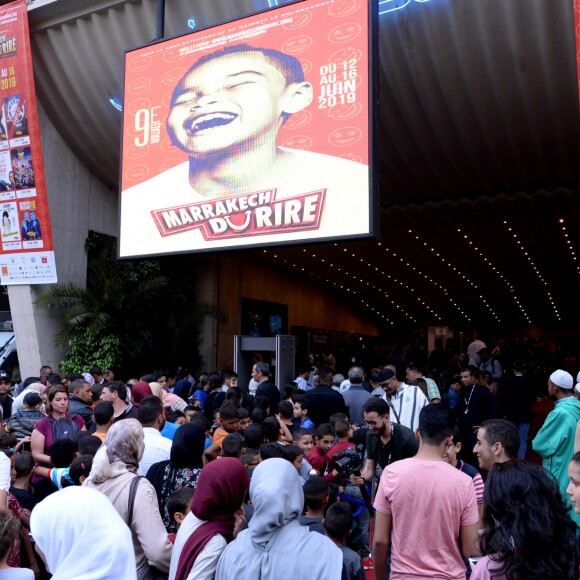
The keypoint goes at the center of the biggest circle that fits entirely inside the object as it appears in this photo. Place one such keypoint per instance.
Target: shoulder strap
(132, 493)
(390, 402)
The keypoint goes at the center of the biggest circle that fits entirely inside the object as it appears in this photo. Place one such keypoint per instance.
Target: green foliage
(87, 350)
(129, 315)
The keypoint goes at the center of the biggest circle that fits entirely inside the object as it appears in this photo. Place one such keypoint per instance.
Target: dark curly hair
(528, 532)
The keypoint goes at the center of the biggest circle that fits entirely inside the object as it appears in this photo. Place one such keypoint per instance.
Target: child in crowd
(189, 411)
(295, 455)
(22, 422)
(343, 431)
(22, 467)
(338, 525)
(286, 414)
(80, 469)
(103, 418)
(316, 496)
(271, 449)
(301, 407)
(337, 417)
(228, 423)
(275, 429)
(176, 417)
(234, 396)
(262, 403)
(257, 415)
(62, 454)
(251, 459)
(254, 437)
(304, 438)
(450, 457)
(233, 445)
(9, 540)
(200, 395)
(178, 507)
(87, 445)
(244, 419)
(323, 444)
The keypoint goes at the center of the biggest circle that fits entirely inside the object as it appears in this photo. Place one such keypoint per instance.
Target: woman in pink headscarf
(169, 399)
(215, 518)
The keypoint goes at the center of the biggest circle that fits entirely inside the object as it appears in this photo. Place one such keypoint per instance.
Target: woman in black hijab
(182, 469)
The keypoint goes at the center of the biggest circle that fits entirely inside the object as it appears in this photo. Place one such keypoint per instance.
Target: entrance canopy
(479, 150)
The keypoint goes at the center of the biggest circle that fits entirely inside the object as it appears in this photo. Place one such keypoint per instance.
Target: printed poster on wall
(26, 251)
(254, 132)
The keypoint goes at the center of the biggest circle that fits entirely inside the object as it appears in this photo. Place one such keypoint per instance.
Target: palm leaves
(133, 302)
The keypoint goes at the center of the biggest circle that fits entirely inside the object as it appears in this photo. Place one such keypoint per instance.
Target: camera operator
(386, 442)
(348, 462)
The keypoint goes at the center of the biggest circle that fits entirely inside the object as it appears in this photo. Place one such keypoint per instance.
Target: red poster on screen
(27, 251)
(250, 133)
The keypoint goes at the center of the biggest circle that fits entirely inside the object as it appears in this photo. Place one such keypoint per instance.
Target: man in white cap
(555, 440)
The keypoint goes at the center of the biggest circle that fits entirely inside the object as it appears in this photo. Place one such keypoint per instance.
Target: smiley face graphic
(139, 85)
(137, 173)
(344, 32)
(139, 65)
(171, 77)
(345, 136)
(303, 142)
(342, 8)
(298, 120)
(297, 44)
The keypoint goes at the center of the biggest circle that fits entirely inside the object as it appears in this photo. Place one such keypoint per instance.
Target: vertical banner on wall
(26, 245)
(251, 133)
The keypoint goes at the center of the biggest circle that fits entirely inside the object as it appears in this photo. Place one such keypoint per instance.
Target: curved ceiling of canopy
(478, 143)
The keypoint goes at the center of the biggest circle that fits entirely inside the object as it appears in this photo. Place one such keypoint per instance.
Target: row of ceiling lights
(439, 286)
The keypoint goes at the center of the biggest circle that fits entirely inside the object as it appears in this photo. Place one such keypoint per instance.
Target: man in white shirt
(405, 401)
(157, 448)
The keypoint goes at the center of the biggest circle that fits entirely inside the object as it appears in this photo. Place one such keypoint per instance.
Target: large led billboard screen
(255, 132)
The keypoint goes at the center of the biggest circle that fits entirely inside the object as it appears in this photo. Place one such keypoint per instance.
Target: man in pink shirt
(424, 506)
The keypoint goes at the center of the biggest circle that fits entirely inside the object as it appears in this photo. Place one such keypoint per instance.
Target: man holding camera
(386, 443)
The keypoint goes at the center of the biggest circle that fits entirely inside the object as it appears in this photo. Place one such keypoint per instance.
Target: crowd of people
(331, 476)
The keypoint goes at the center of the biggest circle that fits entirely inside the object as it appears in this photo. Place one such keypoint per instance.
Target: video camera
(350, 460)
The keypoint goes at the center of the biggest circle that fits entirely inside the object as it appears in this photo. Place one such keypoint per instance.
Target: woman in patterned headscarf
(114, 473)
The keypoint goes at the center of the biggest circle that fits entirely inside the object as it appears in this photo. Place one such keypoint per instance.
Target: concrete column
(206, 292)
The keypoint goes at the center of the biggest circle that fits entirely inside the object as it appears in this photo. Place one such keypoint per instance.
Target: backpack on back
(63, 428)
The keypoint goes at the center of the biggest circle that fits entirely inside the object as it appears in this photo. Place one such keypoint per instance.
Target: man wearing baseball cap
(555, 440)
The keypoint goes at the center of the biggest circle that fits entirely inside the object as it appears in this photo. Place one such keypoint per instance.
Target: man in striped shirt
(405, 401)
